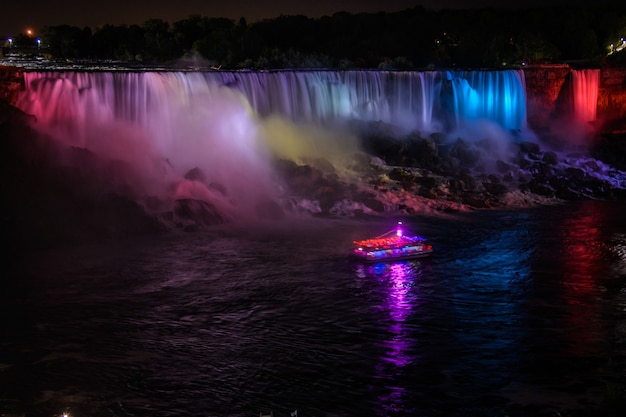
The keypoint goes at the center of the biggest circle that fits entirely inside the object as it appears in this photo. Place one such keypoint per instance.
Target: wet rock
(118, 216)
(420, 152)
(361, 163)
(450, 166)
(542, 169)
(299, 179)
(369, 200)
(495, 189)
(324, 165)
(529, 147)
(550, 158)
(575, 174)
(538, 187)
(403, 176)
(467, 155)
(198, 213)
(611, 149)
(503, 167)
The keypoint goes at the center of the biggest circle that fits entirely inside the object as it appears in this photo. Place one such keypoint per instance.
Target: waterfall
(585, 94)
(205, 118)
(411, 100)
(498, 96)
(230, 125)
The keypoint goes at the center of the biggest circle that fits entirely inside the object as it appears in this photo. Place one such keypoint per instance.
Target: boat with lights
(393, 245)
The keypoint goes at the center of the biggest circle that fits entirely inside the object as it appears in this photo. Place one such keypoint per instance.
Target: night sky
(18, 15)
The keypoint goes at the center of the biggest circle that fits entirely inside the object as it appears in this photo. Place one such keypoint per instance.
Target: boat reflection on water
(400, 278)
(399, 349)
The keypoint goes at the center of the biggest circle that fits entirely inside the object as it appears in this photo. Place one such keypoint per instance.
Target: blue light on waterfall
(411, 100)
(428, 101)
(495, 96)
(472, 107)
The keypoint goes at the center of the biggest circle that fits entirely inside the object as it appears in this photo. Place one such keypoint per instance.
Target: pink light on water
(584, 248)
(400, 279)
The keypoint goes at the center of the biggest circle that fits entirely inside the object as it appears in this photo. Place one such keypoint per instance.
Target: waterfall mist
(575, 114)
(213, 136)
(177, 136)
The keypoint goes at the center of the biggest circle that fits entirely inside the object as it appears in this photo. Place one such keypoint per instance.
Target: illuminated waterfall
(585, 94)
(229, 125)
(411, 100)
(498, 96)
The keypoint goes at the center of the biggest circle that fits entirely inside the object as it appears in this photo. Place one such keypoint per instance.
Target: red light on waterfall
(585, 94)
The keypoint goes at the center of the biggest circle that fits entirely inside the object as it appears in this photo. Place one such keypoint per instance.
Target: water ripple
(517, 313)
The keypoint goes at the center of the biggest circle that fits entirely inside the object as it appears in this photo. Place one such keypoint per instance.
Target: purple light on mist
(230, 126)
(160, 126)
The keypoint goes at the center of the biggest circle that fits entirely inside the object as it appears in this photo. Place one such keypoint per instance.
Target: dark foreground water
(518, 313)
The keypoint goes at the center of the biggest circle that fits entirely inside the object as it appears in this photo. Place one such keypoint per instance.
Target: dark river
(517, 313)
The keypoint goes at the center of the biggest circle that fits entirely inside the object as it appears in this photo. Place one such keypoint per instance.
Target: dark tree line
(413, 38)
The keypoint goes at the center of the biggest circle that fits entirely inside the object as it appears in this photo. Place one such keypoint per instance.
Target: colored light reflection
(399, 298)
(400, 279)
(583, 252)
(619, 249)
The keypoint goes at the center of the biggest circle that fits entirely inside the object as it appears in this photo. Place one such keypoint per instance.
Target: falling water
(412, 100)
(519, 312)
(162, 125)
(585, 94)
(229, 125)
(497, 96)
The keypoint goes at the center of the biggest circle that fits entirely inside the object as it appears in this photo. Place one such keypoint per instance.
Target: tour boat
(393, 245)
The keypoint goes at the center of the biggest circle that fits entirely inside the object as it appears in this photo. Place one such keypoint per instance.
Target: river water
(517, 313)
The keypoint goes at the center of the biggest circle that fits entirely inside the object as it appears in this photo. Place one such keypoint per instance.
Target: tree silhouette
(410, 39)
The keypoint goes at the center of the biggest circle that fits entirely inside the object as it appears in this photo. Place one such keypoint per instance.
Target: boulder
(194, 214)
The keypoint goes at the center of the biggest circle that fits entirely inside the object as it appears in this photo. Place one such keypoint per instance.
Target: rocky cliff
(546, 89)
(11, 80)
(612, 100)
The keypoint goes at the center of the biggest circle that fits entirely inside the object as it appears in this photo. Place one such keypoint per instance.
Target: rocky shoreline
(484, 175)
